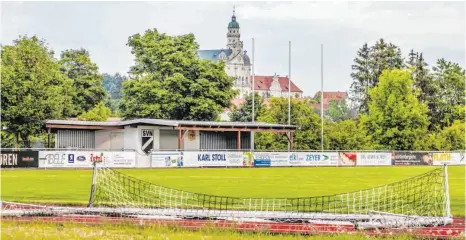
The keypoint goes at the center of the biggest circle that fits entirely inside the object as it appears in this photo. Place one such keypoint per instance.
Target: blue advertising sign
(262, 159)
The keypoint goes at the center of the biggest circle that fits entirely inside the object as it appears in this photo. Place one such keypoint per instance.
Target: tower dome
(233, 23)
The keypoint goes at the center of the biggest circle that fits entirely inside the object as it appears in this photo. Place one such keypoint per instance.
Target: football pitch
(72, 186)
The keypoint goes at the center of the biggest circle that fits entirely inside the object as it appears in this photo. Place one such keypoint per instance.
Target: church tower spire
(233, 35)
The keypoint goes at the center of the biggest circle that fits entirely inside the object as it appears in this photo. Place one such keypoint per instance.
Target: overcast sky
(435, 28)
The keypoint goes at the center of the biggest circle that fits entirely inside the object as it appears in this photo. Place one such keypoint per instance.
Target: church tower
(233, 36)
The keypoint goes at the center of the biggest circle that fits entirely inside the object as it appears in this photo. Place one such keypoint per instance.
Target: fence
(84, 158)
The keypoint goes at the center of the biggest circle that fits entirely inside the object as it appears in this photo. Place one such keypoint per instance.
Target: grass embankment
(73, 186)
(26, 231)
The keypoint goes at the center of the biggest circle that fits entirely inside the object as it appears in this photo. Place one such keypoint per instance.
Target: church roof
(212, 55)
(264, 83)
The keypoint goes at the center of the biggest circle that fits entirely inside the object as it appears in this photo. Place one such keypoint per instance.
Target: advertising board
(449, 158)
(313, 159)
(167, 159)
(262, 159)
(279, 159)
(411, 158)
(19, 159)
(373, 159)
(347, 159)
(213, 159)
(85, 159)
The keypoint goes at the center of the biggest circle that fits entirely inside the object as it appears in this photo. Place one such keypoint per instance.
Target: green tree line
(399, 103)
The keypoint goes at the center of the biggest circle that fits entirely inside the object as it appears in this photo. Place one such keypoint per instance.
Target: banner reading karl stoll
(213, 159)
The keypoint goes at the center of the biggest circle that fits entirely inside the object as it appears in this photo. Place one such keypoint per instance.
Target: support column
(291, 141)
(238, 140)
(48, 138)
(180, 137)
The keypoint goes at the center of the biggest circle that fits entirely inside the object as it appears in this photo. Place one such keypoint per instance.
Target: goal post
(415, 202)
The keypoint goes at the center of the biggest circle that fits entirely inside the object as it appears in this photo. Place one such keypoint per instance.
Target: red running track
(454, 230)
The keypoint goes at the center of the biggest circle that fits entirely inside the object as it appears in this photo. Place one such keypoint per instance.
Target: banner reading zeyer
(19, 159)
(373, 159)
(313, 159)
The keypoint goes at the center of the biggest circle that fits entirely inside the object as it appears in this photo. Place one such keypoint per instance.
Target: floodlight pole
(322, 95)
(94, 180)
(253, 96)
(289, 93)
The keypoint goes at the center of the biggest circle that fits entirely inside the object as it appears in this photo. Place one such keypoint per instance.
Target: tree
(396, 118)
(346, 135)
(367, 68)
(307, 137)
(113, 84)
(244, 112)
(169, 81)
(422, 79)
(87, 81)
(33, 88)
(448, 103)
(99, 113)
(452, 137)
(338, 110)
(361, 76)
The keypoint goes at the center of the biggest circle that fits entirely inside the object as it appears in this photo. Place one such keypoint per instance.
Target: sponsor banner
(279, 159)
(373, 159)
(248, 159)
(121, 160)
(347, 159)
(167, 159)
(411, 158)
(213, 159)
(313, 159)
(85, 159)
(262, 159)
(19, 159)
(448, 158)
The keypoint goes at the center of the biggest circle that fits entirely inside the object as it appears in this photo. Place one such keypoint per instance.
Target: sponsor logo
(316, 157)
(81, 158)
(211, 157)
(442, 157)
(27, 159)
(9, 159)
(56, 159)
(70, 158)
(96, 158)
(294, 157)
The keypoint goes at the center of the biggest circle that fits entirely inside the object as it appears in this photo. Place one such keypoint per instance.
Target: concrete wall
(192, 141)
(110, 139)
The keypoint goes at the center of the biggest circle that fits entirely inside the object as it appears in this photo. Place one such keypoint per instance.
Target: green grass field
(73, 186)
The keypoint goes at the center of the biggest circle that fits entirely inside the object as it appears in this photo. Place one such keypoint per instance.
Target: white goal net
(420, 201)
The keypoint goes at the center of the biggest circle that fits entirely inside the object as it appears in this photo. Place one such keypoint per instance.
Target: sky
(437, 29)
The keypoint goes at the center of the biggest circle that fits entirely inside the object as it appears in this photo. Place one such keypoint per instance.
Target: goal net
(421, 201)
(416, 202)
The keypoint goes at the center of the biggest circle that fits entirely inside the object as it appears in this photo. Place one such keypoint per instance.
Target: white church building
(238, 65)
